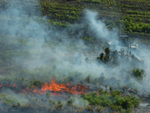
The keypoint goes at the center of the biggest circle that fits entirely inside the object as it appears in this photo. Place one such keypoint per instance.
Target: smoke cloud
(43, 52)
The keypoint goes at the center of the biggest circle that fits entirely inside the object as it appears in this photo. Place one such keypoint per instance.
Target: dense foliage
(115, 100)
(138, 73)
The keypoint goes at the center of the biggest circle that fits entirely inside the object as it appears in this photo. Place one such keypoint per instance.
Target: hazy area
(34, 54)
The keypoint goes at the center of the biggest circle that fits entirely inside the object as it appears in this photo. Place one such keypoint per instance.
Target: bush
(51, 102)
(16, 105)
(36, 83)
(88, 108)
(60, 104)
(116, 101)
(116, 93)
(138, 73)
(88, 79)
(127, 103)
(94, 99)
(10, 101)
(70, 102)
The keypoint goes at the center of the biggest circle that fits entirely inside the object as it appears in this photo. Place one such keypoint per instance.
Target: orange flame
(55, 88)
(59, 88)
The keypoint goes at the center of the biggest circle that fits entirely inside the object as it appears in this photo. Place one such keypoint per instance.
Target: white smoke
(58, 54)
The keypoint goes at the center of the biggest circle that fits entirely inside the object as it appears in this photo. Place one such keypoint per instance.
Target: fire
(53, 87)
(59, 88)
(14, 85)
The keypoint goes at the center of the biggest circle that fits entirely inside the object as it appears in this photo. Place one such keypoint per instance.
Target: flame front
(60, 88)
(53, 87)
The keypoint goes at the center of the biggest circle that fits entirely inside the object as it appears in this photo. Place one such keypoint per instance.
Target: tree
(138, 73)
(70, 102)
(106, 57)
(107, 51)
(88, 79)
(101, 56)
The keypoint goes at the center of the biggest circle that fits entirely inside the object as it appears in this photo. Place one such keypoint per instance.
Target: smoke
(99, 28)
(144, 104)
(80, 101)
(42, 52)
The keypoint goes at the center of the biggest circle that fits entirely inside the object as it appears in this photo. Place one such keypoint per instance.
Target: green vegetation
(70, 102)
(71, 14)
(61, 12)
(16, 105)
(90, 39)
(115, 57)
(9, 99)
(138, 73)
(114, 100)
(36, 83)
(52, 102)
(127, 16)
(59, 104)
(88, 79)
(88, 108)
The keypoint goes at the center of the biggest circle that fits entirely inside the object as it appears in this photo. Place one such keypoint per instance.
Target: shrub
(127, 102)
(51, 102)
(116, 93)
(70, 102)
(36, 83)
(88, 108)
(98, 109)
(16, 105)
(115, 101)
(138, 73)
(10, 101)
(60, 104)
(78, 1)
(140, 19)
(85, 38)
(94, 99)
(88, 79)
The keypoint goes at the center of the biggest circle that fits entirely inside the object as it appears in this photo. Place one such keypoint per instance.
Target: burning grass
(113, 100)
(54, 87)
